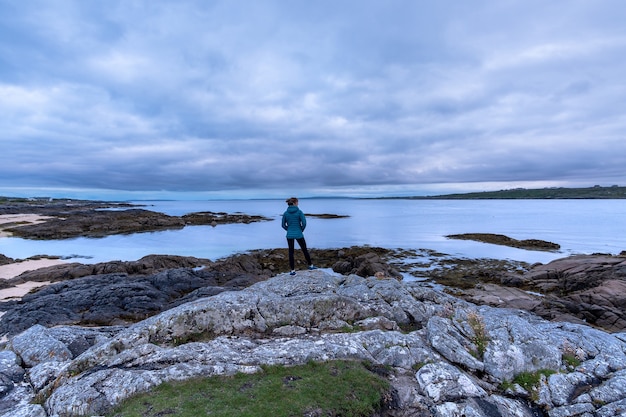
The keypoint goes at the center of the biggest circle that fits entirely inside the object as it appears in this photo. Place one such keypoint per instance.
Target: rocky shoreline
(70, 218)
(583, 289)
(446, 356)
(456, 338)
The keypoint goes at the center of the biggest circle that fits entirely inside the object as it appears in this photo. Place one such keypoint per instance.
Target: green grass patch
(530, 381)
(337, 388)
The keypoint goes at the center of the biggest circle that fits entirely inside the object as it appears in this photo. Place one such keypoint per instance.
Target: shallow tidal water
(579, 226)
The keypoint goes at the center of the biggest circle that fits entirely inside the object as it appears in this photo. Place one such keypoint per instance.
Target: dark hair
(292, 201)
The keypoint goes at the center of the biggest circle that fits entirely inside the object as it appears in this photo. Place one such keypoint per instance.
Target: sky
(155, 98)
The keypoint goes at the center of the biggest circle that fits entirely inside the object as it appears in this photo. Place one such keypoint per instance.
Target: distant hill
(596, 192)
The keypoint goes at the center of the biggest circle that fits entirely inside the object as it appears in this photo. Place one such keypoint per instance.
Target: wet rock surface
(104, 223)
(49, 206)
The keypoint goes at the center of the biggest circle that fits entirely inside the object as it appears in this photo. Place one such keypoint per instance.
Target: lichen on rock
(321, 316)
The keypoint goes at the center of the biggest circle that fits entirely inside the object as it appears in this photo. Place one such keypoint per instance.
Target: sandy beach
(11, 220)
(20, 290)
(13, 270)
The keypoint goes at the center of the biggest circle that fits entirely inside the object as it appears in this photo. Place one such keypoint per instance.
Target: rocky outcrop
(587, 289)
(365, 265)
(100, 223)
(447, 357)
(54, 206)
(122, 292)
(145, 266)
(113, 299)
(75, 218)
(5, 260)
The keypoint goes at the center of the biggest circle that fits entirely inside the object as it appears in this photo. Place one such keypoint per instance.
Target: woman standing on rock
(294, 223)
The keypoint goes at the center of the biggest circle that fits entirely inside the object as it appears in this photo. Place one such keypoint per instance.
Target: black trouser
(302, 243)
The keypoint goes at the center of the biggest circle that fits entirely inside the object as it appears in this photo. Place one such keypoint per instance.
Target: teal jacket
(294, 222)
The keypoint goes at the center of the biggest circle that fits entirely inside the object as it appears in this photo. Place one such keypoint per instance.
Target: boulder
(5, 260)
(442, 382)
(366, 265)
(35, 346)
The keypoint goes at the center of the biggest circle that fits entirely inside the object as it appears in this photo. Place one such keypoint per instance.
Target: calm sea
(579, 226)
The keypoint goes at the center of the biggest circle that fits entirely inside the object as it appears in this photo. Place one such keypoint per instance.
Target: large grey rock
(611, 390)
(491, 406)
(446, 338)
(322, 316)
(566, 387)
(21, 396)
(519, 342)
(574, 410)
(10, 366)
(26, 410)
(142, 367)
(35, 346)
(442, 382)
(616, 409)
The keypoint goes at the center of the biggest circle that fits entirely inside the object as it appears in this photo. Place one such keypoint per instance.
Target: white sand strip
(20, 290)
(15, 269)
(20, 218)
(13, 220)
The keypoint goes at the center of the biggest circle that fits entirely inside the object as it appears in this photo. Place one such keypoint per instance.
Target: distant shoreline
(597, 192)
(589, 193)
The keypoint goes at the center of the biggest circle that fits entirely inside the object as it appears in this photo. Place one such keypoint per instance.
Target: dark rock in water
(55, 206)
(95, 223)
(327, 216)
(88, 221)
(213, 219)
(496, 239)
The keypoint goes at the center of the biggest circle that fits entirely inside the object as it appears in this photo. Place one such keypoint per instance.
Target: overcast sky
(310, 97)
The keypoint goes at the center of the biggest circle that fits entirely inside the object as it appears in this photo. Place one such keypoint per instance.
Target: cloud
(212, 96)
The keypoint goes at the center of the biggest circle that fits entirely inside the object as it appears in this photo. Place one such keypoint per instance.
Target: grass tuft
(480, 337)
(530, 381)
